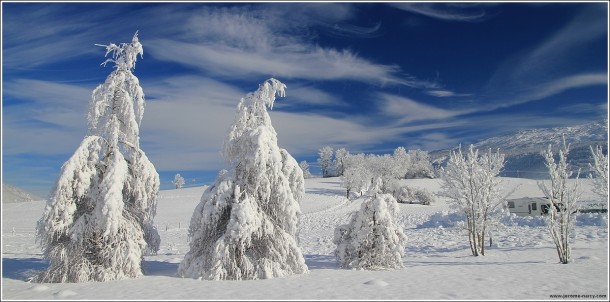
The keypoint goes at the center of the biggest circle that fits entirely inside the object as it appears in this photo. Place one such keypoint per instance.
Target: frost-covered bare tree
(384, 170)
(403, 161)
(326, 160)
(178, 181)
(340, 156)
(304, 165)
(98, 222)
(600, 169)
(246, 225)
(357, 176)
(372, 240)
(472, 185)
(564, 199)
(420, 165)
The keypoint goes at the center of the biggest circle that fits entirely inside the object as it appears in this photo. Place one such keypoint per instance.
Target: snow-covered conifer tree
(325, 160)
(246, 225)
(600, 169)
(564, 200)
(178, 181)
(98, 221)
(472, 185)
(372, 240)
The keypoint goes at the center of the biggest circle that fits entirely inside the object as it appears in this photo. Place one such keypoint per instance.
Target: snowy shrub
(406, 194)
(98, 221)
(372, 240)
(442, 219)
(246, 225)
(529, 221)
(424, 196)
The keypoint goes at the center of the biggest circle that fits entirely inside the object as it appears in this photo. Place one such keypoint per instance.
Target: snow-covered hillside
(522, 149)
(522, 263)
(12, 194)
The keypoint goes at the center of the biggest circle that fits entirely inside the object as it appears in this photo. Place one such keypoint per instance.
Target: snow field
(521, 264)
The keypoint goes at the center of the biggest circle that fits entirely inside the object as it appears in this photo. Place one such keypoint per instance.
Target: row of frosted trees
(98, 223)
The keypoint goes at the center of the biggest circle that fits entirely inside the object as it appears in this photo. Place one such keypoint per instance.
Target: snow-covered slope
(12, 194)
(522, 263)
(522, 149)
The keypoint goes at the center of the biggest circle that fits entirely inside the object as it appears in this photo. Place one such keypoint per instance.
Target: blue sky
(368, 77)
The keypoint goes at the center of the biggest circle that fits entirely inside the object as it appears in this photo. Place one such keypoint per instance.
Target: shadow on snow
(22, 268)
(320, 261)
(160, 268)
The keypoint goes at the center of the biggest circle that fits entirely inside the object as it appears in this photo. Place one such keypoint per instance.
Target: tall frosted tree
(246, 225)
(98, 222)
(340, 157)
(305, 167)
(564, 199)
(470, 182)
(600, 169)
(326, 160)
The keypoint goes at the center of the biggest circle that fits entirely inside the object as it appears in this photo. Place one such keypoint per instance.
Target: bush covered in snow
(372, 240)
(406, 194)
(246, 225)
(442, 219)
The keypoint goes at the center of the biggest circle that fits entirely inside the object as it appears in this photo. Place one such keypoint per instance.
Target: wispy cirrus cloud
(405, 110)
(445, 93)
(305, 63)
(262, 40)
(552, 66)
(444, 11)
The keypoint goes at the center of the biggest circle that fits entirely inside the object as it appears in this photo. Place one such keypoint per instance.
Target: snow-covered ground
(521, 264)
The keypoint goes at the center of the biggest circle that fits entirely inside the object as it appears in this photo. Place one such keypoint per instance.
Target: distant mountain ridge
(523, 149)
(12, 194)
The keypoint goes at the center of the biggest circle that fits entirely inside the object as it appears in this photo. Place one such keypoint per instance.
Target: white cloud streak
(445, 93)
(444, 11)
(405, 110)
(305, 63)
(540, 72)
